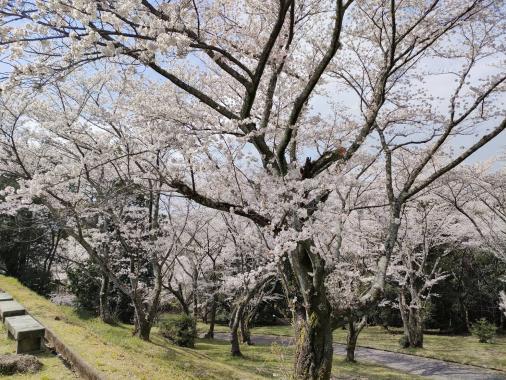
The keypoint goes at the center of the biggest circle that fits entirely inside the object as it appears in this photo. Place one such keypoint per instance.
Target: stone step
(5, 297)
(11, 309)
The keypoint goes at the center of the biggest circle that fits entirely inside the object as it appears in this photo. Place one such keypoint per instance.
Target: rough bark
(142, 329)
(179, 294)
(303, 278)
(145, 312)
(313, 351)
(354, 330)
(412, 322)
(415, 328)
(105, 310)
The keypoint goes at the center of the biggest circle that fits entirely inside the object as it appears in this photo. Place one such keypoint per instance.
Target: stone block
(11, 309)
(26, 331)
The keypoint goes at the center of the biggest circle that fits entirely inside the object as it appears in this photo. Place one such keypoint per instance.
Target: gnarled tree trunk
(313, 346)
(303, 277)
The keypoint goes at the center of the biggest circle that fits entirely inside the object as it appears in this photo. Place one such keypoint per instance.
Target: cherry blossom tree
(236, 96)
(428, 232)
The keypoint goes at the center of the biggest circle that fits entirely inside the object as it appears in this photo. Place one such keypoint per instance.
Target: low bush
(484, 330)
(181, 329)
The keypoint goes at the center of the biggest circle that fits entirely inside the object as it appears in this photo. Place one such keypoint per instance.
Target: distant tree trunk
(403, 308)
(205, 314)
(143, 330)
(146, 312)
(212, 320)
(235, 348)
(237, 315)
(195, 294)
(179, 294)
(105, 310)
(142, 327)
(465, 314)
(245, 331)
(415, 328)
(354, 330)
(412, 322)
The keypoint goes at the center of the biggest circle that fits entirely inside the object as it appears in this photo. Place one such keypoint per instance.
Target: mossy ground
(118, 355)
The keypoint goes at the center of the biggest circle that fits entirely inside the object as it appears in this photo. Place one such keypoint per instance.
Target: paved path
(410, 364)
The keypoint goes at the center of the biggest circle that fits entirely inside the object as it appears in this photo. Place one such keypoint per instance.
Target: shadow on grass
(84, 315)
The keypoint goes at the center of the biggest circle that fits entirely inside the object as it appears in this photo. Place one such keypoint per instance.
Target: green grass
(456, 348)
(118, 355)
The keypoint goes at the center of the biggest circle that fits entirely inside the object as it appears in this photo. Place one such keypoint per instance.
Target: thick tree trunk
(415, 328)
(212, 320)
(313, 350)
(304, 284)
(105, 310)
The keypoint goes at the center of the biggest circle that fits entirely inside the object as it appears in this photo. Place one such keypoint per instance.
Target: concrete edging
(77, 363)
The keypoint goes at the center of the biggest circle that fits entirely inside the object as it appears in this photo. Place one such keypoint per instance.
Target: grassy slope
(461, 349)
(113, 350)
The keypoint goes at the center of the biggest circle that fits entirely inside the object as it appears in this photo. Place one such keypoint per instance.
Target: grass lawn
(461, 349)
(113, 351)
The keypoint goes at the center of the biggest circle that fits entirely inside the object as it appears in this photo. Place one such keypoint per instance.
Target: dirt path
(410, 364)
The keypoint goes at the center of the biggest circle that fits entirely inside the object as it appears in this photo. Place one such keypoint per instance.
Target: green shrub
(484, 330)
(181, 329)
